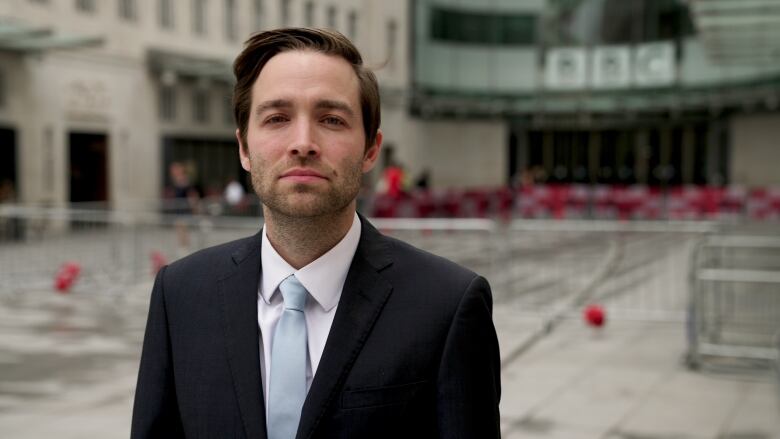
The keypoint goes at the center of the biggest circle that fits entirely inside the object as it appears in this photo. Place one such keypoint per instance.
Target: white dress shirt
(323, 278)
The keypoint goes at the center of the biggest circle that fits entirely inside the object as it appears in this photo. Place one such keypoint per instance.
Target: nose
(303, 143)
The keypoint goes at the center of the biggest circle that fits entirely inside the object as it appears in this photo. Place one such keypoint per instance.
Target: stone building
(98, 97)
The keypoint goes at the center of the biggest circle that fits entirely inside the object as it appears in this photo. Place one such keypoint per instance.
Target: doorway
(88, 167)
(8, 185)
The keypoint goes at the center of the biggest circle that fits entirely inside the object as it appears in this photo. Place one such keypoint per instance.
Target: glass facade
(589, 22)
(660, 154)
(451, 25)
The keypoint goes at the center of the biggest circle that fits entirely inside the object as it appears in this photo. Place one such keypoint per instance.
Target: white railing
(735, 298)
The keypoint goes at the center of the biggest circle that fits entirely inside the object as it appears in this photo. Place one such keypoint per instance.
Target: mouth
(302, 175)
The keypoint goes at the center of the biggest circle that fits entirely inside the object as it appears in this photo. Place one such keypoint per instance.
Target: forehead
(302, 74)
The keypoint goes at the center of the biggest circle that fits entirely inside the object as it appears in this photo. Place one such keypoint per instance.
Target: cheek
(259, 150)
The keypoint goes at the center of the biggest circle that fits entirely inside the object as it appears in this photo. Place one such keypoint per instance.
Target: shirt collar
(323, 278)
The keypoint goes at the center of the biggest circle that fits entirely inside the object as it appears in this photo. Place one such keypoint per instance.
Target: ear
(372, 153)
(243, 153)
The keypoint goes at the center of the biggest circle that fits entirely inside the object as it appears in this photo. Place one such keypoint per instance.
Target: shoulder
(401, 262)
(433, 291)
(415, 260)
(423, 277)
(213, 262)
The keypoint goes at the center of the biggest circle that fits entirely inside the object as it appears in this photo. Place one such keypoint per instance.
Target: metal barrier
(635, 270)
(723, 285)
(735, 298)
(777, 365)
(112, 249)
(547, 269)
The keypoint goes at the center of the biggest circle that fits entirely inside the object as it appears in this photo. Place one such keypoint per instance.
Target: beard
(302, 200)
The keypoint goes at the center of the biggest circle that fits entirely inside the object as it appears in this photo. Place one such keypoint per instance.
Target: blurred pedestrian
(7, 192)
(11, 228)
(422, 183)
(394, 177)
(184, 203)
(234, 194)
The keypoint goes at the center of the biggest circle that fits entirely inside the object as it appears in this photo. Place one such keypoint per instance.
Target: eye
(333, 121)
(275, 119)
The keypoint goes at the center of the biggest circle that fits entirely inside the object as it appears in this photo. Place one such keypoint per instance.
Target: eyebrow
(272, 104)
(330, 104)
(323, 104)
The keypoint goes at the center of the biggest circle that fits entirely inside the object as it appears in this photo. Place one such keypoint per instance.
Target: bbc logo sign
(610, 67)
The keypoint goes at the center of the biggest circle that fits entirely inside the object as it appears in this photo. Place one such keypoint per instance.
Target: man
(318, 326)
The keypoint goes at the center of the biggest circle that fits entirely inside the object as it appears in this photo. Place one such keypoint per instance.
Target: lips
(302, 174)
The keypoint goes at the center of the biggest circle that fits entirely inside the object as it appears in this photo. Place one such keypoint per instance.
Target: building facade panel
(756, 159)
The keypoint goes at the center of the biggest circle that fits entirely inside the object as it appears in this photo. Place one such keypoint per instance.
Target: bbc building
(97, 98)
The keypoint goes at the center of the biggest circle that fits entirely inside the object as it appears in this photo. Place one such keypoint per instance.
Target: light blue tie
(287, 387)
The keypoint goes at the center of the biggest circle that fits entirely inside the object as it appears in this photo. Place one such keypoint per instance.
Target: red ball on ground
(63, 282)
(72, 268)
(594, 315)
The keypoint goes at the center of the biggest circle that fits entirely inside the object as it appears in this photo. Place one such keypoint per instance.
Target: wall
(464, 153)
(755, 147)
(109, 89)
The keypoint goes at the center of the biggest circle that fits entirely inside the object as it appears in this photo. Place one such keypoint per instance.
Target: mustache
(305, 162)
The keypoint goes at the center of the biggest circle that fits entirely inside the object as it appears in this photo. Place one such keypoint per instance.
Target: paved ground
(68, 366)
(68, 363)
(628, 381)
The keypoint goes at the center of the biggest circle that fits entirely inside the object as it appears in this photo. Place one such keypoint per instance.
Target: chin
(307, 206)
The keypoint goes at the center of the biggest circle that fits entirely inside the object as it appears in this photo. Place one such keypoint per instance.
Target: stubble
(307, 201)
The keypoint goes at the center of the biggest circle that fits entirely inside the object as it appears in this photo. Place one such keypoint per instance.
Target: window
(308, 13)
(284, 12)
(332, 17)
(231, 32)
(127, 10)
(201, 105)
(482, 28)
(199, 17)
(258, 14)
(166, 14)
(352, 25)
(85, 5)
(644, 21)
(168, 103)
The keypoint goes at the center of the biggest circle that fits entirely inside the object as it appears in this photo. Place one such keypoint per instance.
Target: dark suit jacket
(412, 352)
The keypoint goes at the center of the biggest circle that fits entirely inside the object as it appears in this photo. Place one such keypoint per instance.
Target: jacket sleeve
(155, 412)
(469, 378)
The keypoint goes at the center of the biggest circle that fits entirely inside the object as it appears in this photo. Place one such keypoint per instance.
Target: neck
(299, 241)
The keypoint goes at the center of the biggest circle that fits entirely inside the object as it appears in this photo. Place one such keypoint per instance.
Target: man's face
(305, 144)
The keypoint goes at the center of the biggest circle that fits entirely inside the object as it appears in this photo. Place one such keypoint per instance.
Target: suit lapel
(365, 293)
(238, 291)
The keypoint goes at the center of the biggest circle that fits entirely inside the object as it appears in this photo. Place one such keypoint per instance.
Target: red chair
(578, 201)
(683, 203)
(733, 203)
(759, 205)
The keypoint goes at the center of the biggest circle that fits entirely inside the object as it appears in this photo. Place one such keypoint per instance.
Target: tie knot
(294, 293)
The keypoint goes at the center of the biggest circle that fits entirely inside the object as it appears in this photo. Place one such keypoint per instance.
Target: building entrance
(8, 185)
(695, 153)
(88, 167)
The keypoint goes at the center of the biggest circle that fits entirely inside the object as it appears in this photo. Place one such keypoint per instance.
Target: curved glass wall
(495, 29)
(603, 56)
(606, 22)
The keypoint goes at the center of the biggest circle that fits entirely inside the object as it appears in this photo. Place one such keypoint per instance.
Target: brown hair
(263, 46)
